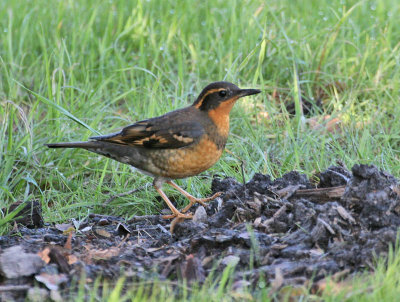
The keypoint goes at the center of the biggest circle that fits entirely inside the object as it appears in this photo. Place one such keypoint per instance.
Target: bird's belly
(185, 162)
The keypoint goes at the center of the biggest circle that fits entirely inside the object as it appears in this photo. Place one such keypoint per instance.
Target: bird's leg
(175, 213)
(192, 199)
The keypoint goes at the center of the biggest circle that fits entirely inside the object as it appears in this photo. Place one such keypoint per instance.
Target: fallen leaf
(72, 259)
(51, 281)
(122, 229)
(345, 215)
(326, 123)
(277, 283)
(200, 215)
(102, 232)
(166, 259)
(231, 260)
(257, 222)
(86, 229)
(68, 244)
(62, 227)
(44, 255)
(153, 249)
(69, 231)
(101, 254)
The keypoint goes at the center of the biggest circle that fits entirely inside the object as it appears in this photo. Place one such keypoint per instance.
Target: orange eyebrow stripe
(198, 105)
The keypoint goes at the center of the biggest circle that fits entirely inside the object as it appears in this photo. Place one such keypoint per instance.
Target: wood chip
(345, 215)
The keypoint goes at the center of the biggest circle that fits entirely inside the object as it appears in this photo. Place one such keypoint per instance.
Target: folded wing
(154, 134)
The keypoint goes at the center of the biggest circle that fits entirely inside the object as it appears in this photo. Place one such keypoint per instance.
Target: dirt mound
(287, 228)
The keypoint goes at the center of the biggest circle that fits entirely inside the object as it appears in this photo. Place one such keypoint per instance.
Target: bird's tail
(84, 145)
(124, 153)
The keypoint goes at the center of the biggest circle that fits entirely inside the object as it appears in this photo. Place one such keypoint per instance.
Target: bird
(176, 145)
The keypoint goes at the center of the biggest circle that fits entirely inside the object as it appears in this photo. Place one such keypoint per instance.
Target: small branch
(5, 288)
(124, 194)
(320, 195)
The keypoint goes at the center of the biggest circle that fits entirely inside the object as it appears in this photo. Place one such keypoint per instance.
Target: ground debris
(289, 231)
(51, 281)
(29, 213)
(15, 262)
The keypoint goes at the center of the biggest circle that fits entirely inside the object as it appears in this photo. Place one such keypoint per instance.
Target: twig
(163, 229)
(327, 226)
(242, 169)
(346, 179)
(135, 219)
(5, 288)
(278, 213)
(288, 191)
(123, 240)
(124, 194)
(241, 164)
(321, 195)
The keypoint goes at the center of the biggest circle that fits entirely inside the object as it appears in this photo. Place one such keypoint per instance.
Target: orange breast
(185, 162)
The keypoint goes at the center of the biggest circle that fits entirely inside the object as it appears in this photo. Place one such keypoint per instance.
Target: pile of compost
(287, 231)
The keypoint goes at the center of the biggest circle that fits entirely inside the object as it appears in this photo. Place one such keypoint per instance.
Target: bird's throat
(220, 116)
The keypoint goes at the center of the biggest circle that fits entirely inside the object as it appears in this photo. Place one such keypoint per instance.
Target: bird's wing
(154, 133)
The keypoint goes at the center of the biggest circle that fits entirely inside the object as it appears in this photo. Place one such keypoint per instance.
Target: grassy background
(67, 67)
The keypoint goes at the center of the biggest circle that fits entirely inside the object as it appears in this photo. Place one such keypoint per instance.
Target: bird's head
(217, 100)
(221, 96)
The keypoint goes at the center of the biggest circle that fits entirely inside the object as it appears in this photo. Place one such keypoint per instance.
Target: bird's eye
(222, 93)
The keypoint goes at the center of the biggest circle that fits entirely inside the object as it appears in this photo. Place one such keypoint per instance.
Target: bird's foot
(178, 215)
(202, 201)
(177, 218)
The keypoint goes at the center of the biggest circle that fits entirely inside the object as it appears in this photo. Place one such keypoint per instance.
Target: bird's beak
(245, 92)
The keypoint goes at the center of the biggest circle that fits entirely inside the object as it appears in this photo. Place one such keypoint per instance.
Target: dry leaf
(68, 244)
(101, 254)
(231, 260)
(69, 231)
(122, 229)
(103, 233)
(326, 123)
(44, 255)
(72, 259)
(51, 281)
(345, 215)
(277, 283)
(62, 227)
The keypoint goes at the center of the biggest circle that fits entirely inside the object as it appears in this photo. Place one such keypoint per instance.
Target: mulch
(287, 231)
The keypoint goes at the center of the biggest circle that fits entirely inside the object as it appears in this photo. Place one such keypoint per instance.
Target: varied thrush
(179, 144)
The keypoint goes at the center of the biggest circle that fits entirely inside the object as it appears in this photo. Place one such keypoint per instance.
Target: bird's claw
(177, 218)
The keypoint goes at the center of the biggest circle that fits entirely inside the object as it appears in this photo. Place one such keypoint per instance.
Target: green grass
(67, 67)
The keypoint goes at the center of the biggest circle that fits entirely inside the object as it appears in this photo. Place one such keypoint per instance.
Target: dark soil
(286, 229)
